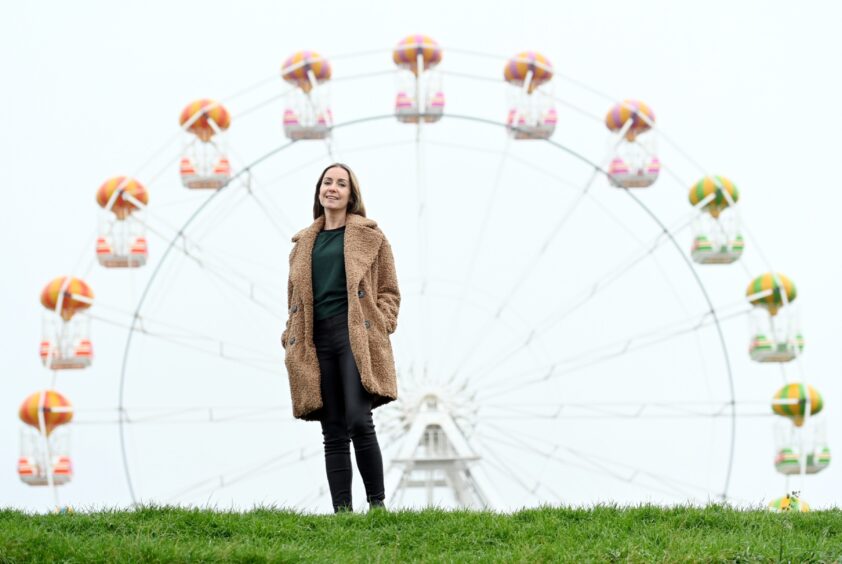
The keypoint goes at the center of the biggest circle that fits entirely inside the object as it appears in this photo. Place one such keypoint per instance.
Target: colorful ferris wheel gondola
(716, 236)
(65, 341)
(307, 114)
(634, 163)
(788, 503)
(204, 164)
(44, 412)
(121, 242)
(532, 114)
(776, 336)
(418, 55)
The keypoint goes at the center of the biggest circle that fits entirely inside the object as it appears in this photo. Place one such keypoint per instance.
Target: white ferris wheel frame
(598, 170)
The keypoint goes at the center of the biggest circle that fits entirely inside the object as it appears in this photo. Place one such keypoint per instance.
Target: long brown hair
(355, 201)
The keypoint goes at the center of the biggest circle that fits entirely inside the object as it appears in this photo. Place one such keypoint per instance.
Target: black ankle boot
(343, 509)
(376, 504)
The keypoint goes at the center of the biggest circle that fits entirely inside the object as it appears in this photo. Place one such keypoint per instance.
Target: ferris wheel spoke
(255, 363)
(608, 465)
(389, 443)
(619, 410)
(166, 168)
(389, 423)
(673, 329)
(562, 182)
(262, 104)
(232, 278)
(264, 208)
(576, 108)
(592, 465)
(364, 75)
(474, 252)
(611, 276)
(199, 253)
(665, 169)
(150, 325)
(594, 200)
(390, 432)
(191, 414)
(264, 200)
(354, 149)
(564, 219)
(269, 80)
(602, 354)
(592, 289)
(454, 297)
(311, 497)
(751, 239)
(479, 78)
(507, 471)
(275, 311)
(404, 361)
(244, 473)
(203, 257)
(86, 255)
(234, 197)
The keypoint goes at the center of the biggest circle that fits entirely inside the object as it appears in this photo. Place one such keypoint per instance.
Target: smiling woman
(343, 301)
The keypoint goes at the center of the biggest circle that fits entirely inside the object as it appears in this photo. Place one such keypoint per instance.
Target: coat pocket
(382, 322)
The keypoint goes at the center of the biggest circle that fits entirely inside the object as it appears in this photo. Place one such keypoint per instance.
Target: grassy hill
(547, 534)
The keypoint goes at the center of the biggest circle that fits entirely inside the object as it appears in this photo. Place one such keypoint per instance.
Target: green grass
(547, 534)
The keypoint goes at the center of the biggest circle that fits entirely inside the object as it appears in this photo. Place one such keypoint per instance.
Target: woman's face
(335, 190)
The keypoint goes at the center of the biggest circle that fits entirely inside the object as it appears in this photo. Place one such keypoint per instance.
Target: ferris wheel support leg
(430, 488)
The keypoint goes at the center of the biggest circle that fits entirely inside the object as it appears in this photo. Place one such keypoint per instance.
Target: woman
(343, 301)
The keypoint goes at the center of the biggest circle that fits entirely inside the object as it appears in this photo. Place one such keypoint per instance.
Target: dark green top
(329, 294)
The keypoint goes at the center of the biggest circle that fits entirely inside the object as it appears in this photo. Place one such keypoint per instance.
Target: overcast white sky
(748, 89)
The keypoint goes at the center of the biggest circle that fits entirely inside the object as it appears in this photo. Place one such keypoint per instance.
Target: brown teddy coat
(373, 302)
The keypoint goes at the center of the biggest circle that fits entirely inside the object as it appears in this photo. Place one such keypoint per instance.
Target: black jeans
(346, 416)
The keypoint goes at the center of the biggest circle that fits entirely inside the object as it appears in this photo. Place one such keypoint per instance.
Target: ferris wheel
(569, 332)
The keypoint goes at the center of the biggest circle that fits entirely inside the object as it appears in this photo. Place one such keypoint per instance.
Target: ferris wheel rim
(383, 117)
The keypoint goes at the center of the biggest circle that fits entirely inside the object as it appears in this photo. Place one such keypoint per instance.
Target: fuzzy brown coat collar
(361, 234)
